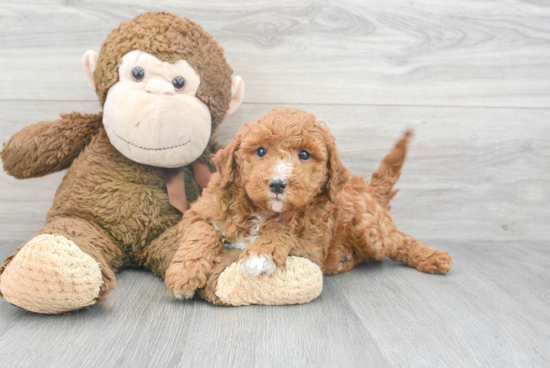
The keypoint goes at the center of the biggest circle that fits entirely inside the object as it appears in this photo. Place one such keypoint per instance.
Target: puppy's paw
(185, 290)
(188, 295)
(257, 264)
(439, 262)
(183, 279)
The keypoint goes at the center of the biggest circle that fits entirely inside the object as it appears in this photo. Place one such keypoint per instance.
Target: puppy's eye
(138, 73)
(178, 83)
(304, 155)
(261, 152)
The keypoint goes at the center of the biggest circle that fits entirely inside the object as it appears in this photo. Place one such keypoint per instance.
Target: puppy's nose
(277, 186)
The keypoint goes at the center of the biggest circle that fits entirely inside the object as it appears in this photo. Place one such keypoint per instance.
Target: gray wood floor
(492, 310)
(471, 77)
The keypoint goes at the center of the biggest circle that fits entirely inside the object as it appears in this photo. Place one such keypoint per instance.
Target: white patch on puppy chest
(242, 242)
(258, 264)
(282, 171)
(256, 222)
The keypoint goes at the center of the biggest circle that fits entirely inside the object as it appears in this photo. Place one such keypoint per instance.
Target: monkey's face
(152, 114)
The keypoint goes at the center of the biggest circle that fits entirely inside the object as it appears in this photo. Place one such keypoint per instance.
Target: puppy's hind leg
(383, 239)
(416, 254)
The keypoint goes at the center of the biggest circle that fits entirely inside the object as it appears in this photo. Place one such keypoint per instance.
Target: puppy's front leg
(268, 252)
(194, 260)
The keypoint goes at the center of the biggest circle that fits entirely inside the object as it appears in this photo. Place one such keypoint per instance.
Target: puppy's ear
(226, 164)
(338, 174)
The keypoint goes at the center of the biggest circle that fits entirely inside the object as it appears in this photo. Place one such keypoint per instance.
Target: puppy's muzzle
(277, 186)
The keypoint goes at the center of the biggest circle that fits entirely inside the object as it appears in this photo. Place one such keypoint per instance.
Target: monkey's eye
(178, 82)
(261, 152)
(138, 73)
(304, 155)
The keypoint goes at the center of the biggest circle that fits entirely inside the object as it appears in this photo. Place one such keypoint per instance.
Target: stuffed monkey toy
(164, 86)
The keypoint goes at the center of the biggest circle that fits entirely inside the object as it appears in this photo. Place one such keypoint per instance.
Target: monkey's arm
(49, 146)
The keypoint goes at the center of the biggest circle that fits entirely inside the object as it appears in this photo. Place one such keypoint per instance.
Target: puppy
(280, 187)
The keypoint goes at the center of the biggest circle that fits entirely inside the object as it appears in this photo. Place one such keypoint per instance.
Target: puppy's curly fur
(317, 206)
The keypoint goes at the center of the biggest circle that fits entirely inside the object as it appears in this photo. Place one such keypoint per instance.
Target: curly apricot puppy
(281, 186)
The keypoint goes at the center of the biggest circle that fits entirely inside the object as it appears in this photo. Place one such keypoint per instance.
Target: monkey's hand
(49, 146)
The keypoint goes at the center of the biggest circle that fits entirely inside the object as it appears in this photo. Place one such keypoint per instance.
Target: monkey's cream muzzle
(152, 122)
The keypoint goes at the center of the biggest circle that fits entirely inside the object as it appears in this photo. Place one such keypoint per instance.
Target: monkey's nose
(277, 186)
(158, 87)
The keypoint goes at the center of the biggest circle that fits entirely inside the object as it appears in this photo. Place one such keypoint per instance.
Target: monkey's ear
(89, 63)
(237, 94)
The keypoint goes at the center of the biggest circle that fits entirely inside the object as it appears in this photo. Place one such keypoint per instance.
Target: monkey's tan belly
(126, 199)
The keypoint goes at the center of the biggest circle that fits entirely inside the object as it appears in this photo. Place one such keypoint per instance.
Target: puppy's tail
(389, 171)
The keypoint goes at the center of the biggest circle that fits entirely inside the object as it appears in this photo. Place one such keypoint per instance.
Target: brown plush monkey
(164, 86)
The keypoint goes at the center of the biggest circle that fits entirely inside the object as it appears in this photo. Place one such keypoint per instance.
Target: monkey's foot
(51, 275)
(298, 281)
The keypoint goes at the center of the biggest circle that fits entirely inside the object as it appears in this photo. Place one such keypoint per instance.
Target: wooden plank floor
(491, 310)
(471, 77)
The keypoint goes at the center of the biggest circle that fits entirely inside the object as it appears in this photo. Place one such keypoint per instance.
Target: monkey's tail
(389, 171)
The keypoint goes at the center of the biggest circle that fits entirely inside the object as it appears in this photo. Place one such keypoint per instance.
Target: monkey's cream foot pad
(50, 274)
(299, 281)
